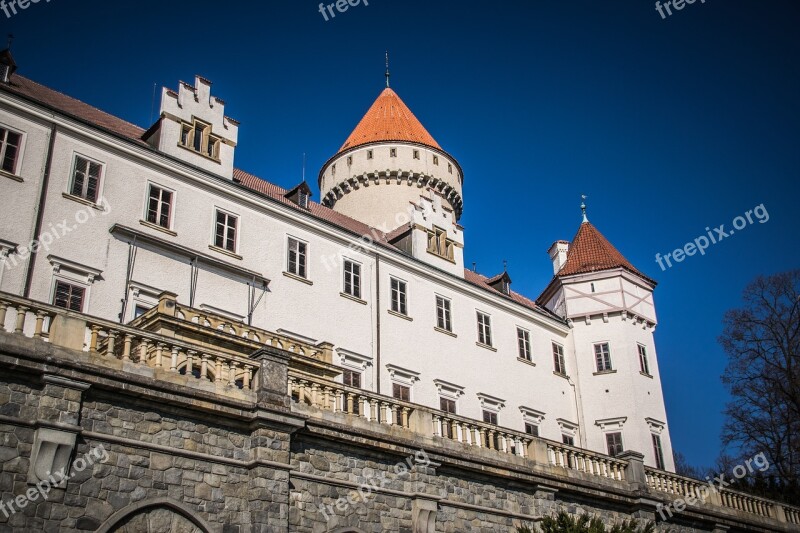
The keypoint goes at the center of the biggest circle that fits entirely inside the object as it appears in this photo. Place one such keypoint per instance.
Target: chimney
(558, 254)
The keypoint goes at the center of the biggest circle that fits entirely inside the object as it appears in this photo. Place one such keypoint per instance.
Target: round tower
(386, 163)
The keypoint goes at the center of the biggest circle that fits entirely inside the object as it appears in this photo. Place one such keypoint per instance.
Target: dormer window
(198, 137)
(439, 244)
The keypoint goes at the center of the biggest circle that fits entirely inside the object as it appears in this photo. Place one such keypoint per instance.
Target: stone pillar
(273, 377)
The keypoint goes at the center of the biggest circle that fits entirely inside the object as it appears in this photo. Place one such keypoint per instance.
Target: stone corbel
(423, 515)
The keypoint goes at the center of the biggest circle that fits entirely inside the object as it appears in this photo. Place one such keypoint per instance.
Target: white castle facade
(122, 215)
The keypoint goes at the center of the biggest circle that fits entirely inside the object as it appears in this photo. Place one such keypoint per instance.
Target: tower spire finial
(388, 74)
(583, 207)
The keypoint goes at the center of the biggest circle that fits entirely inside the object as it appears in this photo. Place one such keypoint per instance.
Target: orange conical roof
(590, 251)
(389, 119)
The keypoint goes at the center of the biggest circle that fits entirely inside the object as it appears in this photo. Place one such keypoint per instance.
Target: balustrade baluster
(3, 309)
(22, 312)
(126, 347)
(40, 315)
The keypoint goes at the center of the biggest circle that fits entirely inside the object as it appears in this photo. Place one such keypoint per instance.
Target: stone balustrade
(585, 461)
(133, 346)
(227, 366)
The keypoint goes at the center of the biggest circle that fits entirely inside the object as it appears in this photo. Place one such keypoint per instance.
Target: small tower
(386, 164)
(609, 306)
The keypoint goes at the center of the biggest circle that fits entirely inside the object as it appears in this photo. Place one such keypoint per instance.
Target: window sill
(442, 330)
(645, 374)
(486, 346)
(156, 227)
(83, 201)
(523, 360)
(400, 315)
(11, 176)
(559, 374)
(298, 278)
(351, 297)
(604, 372)
(223, 251)
(201, 154)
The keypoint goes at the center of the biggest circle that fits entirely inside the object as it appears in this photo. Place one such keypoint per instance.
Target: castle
(253, 354)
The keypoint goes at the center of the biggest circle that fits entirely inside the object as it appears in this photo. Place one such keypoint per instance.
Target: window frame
(615, 448)
(352, 373)
(444, 313)
(148, 197)
(72, 284)
(100, 178)
(207, 140)
(534, 429)
(304, 254)
(603, 359)
(356, 278)
(524, 349)
(237, 230)
(644, 363)
(658, 451)
(4, 146)
(401, 306)
(401, 386)
(484, 328)
(559, 361)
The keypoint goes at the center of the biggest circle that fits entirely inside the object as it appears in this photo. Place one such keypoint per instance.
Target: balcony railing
(175, 342)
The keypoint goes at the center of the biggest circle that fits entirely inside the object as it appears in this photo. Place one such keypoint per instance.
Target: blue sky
(669, 125)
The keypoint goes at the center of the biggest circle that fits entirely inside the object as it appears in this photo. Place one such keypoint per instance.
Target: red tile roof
(483, 282)
(74, 108)
(590, 251)
(389, 119)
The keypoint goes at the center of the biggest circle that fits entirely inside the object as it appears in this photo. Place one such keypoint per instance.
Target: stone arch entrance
(160, 515)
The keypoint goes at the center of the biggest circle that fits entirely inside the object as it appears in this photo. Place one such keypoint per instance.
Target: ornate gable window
(197, 136)
(439, 244)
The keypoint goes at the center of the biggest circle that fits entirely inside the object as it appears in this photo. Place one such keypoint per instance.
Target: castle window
(399, 297)
(159, 206)
(349, 159)
(443, 314)
(658, 451)
(352, 278)
(333, 170)
(197, 136)
(450, 168)
(568, 440)
(351, 378)
(643, 363)
(86, 179)
(531, 429)
(226, 228)
(401, 392)
(558, 360)
(484, 329)
(416, 154)
(448, 406)
(436, 160)
(392, 152)
(297, 257)
(614, 444)
(9, 148)
(69, 296)
(524, 344)
(438, 243)
(490, 417)
(602, 355)
(370, 154)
